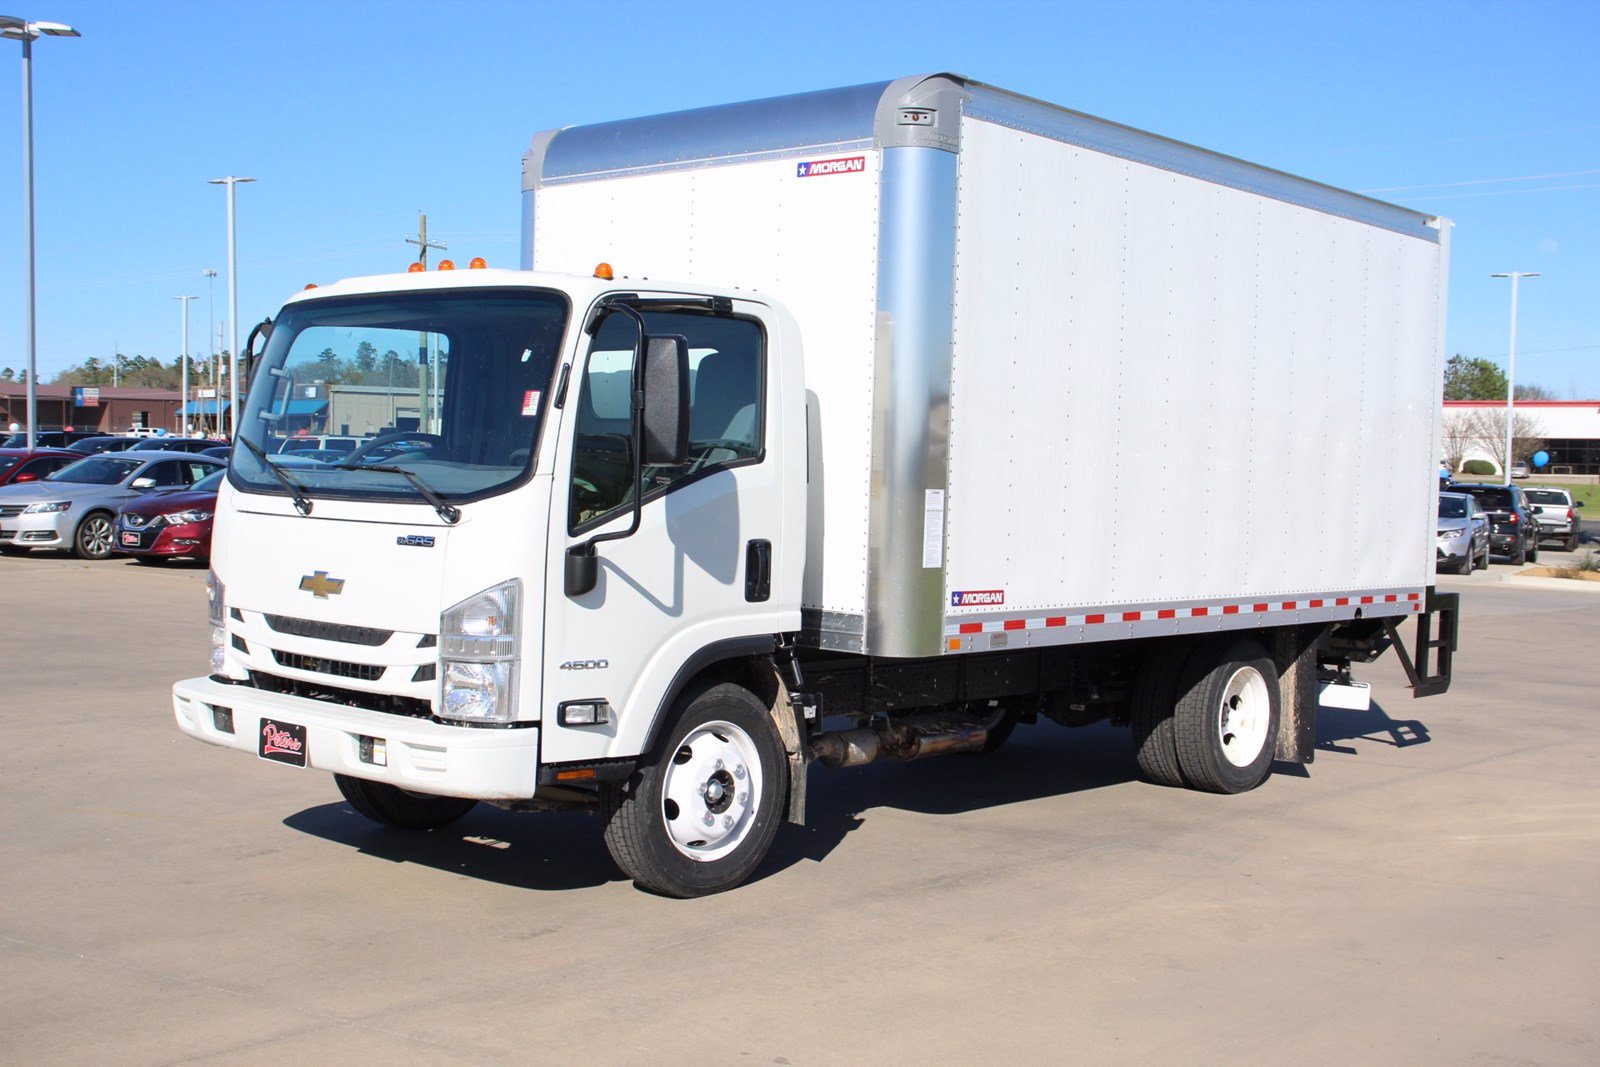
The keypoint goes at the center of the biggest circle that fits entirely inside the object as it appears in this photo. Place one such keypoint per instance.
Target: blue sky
(355, 115)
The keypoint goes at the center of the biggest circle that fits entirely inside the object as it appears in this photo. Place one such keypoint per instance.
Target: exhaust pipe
(918, 737)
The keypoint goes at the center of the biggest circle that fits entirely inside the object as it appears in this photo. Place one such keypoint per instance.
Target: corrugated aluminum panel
(1168, 389)
(811, 243)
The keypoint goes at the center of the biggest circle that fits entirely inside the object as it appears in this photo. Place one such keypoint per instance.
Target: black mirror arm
(582, 572)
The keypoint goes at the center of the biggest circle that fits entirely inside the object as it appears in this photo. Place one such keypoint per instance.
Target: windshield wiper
(302, 498)
(447, 511)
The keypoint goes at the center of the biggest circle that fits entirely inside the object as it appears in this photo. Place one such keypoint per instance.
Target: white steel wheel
(701, 811)
(711, 791)
(1227, 716)
(1242, 717)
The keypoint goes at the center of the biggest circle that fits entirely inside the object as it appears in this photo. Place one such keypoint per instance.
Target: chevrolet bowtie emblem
(319, 585)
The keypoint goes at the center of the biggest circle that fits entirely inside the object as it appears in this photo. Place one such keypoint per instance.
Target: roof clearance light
(415, 268)
(447, 264)
(311, 285)
(478, 263)
(603, 270)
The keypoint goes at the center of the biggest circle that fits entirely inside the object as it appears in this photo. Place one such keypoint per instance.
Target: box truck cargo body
(951, 410)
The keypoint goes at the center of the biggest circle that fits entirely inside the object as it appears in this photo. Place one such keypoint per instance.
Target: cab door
(697, 572)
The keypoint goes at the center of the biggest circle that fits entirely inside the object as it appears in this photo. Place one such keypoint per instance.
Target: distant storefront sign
(85, 397)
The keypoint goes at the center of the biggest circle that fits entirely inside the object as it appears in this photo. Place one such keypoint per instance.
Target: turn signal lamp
(604, 271)
(478, 263)
(447, 264)
(415, 268)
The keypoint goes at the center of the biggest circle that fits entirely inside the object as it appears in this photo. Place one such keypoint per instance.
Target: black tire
(1533, 551)
(1225, 677)
(1482, 565)
(1520, 556)
(1155, 698)
(1572, 542)
(637, 813)
(396, 807)
(94, 536)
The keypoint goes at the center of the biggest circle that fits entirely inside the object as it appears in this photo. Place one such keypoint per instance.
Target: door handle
(757, 570)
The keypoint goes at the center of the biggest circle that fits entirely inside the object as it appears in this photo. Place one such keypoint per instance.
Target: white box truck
(853, 425)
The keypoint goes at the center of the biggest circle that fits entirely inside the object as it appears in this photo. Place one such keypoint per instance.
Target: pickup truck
(1556, 515)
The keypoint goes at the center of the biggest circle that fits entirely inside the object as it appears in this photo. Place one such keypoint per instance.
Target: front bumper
(1453, 549)
(189, 539)
(423, 755)
(50, 530)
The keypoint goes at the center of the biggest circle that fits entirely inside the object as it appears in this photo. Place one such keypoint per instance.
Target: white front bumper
(423, 756)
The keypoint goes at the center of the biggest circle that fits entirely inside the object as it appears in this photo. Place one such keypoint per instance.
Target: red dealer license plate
(130, 539)
(282, 742)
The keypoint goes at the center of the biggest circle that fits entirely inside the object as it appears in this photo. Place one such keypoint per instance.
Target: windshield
(448, 385)
(97, 470)
(1544, 496)
(1452, 507)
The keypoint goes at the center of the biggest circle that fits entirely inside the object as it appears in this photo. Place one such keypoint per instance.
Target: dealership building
(1568, 429)
(108, 408)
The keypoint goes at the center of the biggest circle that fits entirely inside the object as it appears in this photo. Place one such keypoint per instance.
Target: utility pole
(232, 182)
(1511, 362)
(424, 356)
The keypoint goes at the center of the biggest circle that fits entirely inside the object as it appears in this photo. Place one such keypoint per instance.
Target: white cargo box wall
(1069, 381)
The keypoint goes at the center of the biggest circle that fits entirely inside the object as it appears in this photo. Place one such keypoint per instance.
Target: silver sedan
(76, 507)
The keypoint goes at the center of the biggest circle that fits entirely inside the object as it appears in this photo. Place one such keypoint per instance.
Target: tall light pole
(1511, 362)
(233, 302)
(23, 30)
(211, 336)
(183, 401)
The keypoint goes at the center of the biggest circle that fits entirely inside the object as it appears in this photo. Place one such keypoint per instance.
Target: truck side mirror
(665, 381)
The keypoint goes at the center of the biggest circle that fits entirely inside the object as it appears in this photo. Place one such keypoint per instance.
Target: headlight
(1449, 533)
(183, 518)
(216, 595)
(478, 641)
(45, 509)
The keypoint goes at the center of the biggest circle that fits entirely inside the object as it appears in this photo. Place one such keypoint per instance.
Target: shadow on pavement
(1374, 724)
(555, 851)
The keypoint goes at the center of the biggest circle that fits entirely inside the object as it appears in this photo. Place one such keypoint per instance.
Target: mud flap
(784, 718)
(1294, 650)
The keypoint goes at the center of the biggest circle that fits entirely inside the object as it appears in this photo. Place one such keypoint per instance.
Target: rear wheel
(1533, 551)
(93, 539)
(400, 808)
(1155, 696)
(1482, 562)
(699, 816)
(1520, 556)
(1572, 542)
(1227, 716)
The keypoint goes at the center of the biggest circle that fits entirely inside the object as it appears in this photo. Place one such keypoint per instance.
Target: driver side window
(727, 374)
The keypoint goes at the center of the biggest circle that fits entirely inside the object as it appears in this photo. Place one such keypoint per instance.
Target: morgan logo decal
(978, 598)
(319, 585)
(819, 167)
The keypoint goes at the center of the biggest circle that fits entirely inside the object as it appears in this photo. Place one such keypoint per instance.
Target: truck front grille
(321, 665)
(411, 707)
(328, 631)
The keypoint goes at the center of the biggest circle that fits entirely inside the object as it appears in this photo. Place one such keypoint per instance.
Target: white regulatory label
(933, 528)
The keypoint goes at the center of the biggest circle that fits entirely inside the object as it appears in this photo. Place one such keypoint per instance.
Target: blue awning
(306, 407)
(205, 407)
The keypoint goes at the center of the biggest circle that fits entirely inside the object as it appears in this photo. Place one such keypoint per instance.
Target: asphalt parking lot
(1428, 891)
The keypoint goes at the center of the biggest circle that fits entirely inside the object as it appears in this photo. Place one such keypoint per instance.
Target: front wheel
(700, 814)
(93, 539)
(1227, 716)
(399, 808)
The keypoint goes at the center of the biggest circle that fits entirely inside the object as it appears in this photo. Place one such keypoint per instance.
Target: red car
(18, 465)
(162, 525)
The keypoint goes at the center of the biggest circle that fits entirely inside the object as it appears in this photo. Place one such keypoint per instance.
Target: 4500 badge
(585, 665)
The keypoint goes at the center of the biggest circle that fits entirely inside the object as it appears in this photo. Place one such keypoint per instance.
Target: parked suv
(1512, 530)
(1463, 537)
(1556, 514)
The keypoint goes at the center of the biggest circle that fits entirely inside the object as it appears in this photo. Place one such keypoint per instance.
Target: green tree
(8, 375)
(366, 358)
(1473, 379)
(1534, 392)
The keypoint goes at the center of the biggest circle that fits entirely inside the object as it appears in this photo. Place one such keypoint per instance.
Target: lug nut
(709, 819)
(738, 772)
(727, 822)
(744, 800)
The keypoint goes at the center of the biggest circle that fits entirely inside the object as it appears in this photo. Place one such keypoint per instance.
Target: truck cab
(405, 615)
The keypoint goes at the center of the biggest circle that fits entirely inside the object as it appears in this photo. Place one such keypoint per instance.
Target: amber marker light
(311, 285)
(415, 268)
(478, 263)
(447, 264)
(603, 270)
